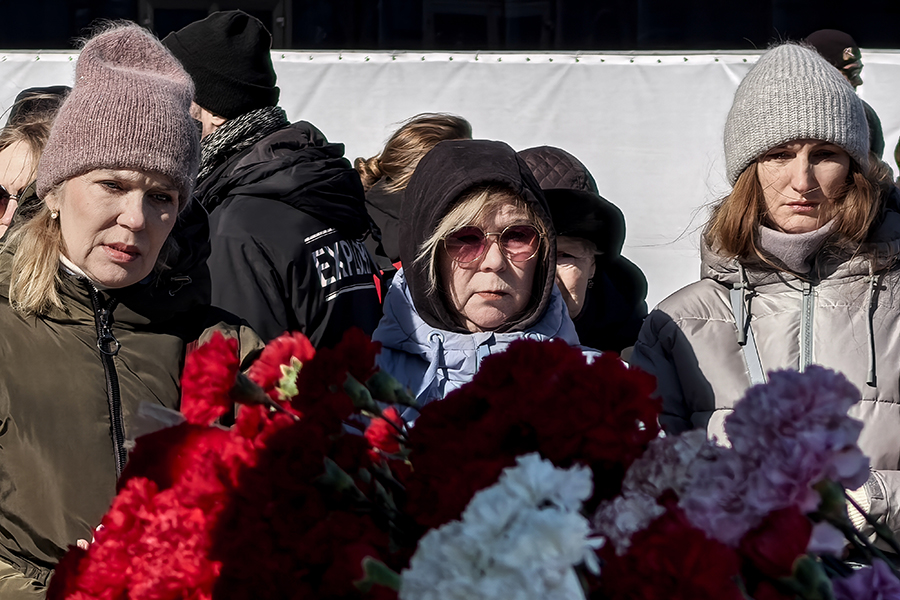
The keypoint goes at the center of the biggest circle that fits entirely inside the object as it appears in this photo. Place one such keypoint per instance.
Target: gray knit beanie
(129, 109)
(793, 93)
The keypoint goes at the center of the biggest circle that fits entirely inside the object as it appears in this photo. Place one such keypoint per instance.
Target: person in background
(479, 268)
(605, 292)
(385, 176)
(840, 50)
(22, 141)
(96, 314)
(287, 210)
(800, 266)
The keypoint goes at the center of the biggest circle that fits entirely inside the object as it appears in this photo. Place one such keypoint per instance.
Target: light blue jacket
(433, 362)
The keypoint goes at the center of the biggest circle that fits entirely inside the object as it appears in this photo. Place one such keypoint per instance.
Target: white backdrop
(648, 126)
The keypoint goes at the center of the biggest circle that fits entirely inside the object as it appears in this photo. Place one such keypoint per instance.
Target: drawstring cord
(743, 310)
(870, 329)
(436, 343)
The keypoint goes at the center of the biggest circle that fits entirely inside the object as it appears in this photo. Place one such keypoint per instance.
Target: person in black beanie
(287, 210)
(841, 50)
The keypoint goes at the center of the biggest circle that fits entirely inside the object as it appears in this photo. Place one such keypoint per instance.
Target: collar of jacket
(159, 297)
(402, 328)
(882, 246)
(297, 166)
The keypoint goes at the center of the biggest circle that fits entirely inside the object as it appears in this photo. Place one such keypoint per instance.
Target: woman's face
(16, 170)
(575, 266)
(114, 223)
(493, 289)
(800, 181)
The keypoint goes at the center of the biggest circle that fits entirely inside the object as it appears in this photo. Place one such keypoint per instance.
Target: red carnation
(671, 560)
(535, 397)
(209, 374)
(267, 371)
(358, 352)
(382, 432)
(777, 542)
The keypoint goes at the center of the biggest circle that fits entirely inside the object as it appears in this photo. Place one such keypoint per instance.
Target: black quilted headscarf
(577, 208)
(442, 177)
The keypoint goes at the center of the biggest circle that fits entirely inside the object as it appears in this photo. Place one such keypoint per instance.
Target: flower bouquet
(545, 477)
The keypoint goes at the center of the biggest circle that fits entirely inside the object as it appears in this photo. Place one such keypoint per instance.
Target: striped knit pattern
(793, 93)
(129, 109)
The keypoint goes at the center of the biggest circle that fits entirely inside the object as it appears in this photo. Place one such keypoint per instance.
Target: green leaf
(335, 478)
(809, 580)
(360, 396)
(387, 389)
(375, 573)
(833, 506)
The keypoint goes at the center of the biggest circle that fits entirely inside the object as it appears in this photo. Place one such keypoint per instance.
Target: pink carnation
(786, 436)
(716, 501)
(797, 430)
(870, 583)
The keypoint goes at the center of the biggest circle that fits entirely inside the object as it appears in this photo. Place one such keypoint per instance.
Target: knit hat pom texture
(792, 93)
(129, 109)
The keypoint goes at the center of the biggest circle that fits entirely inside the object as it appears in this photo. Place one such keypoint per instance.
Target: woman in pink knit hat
(100, 294)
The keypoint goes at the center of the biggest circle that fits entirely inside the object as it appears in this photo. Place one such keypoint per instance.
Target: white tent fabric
(648, 126)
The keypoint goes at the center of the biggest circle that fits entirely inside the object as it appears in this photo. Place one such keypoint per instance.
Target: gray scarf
(795, 250)
(236, 135)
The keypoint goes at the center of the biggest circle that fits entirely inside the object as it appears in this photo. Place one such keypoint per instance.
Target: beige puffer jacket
(848, 319)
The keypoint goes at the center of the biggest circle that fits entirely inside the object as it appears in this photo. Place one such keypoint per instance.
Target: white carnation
(619, 519)
(666, 464)
(518, 539)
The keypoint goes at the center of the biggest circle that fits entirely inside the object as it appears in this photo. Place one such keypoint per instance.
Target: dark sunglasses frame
(6, 196)
(486, 235)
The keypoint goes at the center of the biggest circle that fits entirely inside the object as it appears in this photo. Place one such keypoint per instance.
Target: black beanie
(835, 46)
(228, 56)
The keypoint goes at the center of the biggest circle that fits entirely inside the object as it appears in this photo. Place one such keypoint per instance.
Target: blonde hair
(34, 281)
(470, 208)
(34, 116)
(733, 228)
(406, 147)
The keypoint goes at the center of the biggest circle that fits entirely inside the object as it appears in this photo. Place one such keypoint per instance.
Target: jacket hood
(384, 208)
(449, 170)
(295, 165)
(175, 290)
(881, 248)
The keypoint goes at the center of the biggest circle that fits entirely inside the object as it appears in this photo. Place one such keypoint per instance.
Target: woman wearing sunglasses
(22, 141)
(478, 250)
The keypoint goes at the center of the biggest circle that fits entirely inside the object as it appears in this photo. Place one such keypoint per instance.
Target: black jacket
(384, 208)
(287, 219)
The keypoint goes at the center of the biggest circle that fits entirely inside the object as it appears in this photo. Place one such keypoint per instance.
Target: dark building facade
(588, 25)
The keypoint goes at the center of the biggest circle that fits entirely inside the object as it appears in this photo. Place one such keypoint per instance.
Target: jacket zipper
(109, 347)
(806, 326)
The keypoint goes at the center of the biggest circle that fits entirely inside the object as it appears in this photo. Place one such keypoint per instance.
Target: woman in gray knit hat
(100, 294)
(799, 267)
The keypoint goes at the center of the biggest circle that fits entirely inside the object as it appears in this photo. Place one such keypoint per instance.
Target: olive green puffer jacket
(70, 385)
(847, 319)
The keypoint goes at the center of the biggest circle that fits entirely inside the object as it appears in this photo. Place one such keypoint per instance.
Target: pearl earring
(54, 214)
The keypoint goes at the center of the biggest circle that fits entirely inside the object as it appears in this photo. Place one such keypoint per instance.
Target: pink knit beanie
(129, 109)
